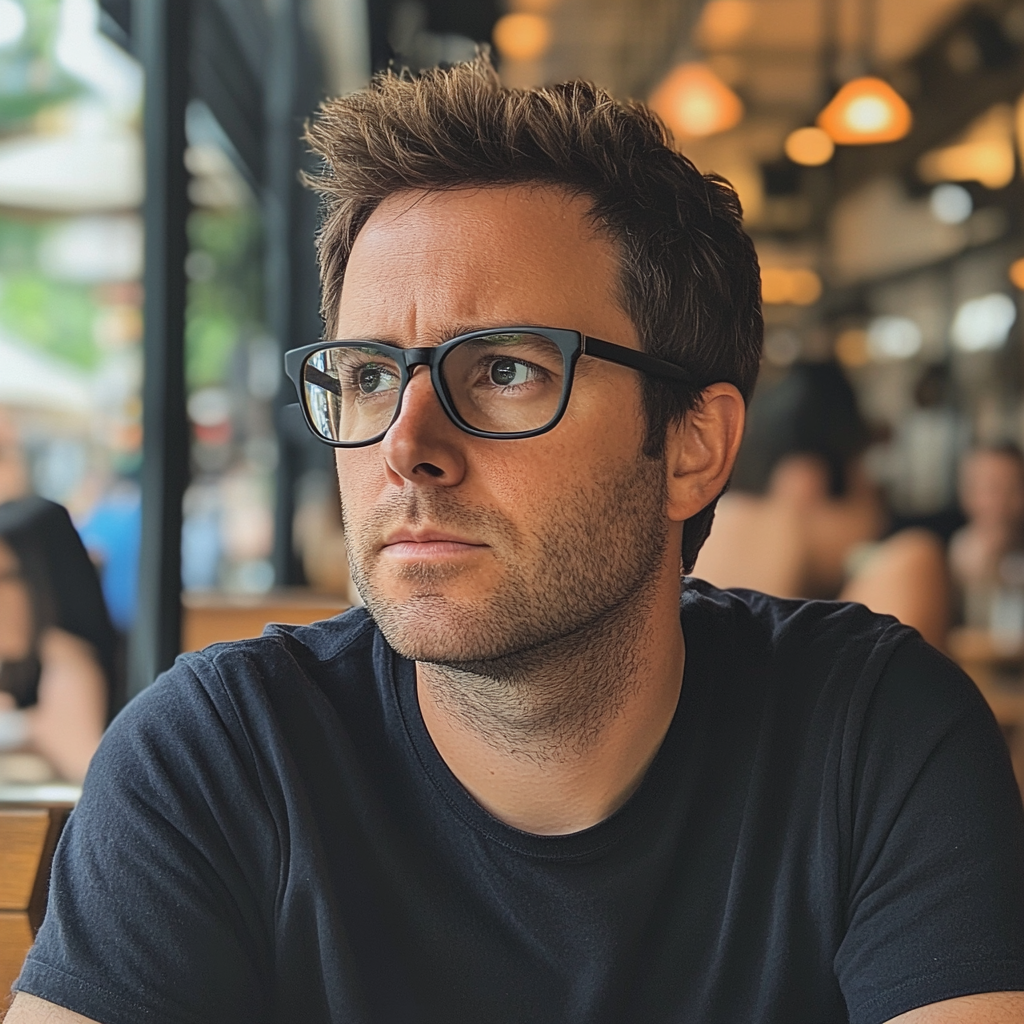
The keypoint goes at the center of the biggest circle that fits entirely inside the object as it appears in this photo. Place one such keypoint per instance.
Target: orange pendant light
(694, 102)
(866, 111)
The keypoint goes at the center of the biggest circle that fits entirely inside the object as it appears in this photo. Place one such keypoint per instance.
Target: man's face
(468, 549)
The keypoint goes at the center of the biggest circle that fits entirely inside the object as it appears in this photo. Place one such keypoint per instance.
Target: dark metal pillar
(290, 282)
(161, 30)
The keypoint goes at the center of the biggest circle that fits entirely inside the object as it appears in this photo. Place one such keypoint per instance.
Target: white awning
(34, 380)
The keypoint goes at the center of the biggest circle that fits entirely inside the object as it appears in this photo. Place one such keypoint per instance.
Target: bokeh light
(694, 102)
(983, 324)
(1016, 273)
(951, 204)
(810, 147)
(12, 22)
(724, 23)
(797, 286)
(866, 111)
(522, 36)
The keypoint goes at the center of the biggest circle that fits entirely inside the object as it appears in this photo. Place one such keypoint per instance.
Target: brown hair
(690, 279)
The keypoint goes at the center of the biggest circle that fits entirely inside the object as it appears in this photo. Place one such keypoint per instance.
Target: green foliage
(19, 242)
(53, 316)
(224, 301)
(30, 77)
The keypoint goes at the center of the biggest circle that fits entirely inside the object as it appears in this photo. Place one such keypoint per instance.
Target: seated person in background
(803, 520)
(540, 778)
(992, 497)
(57, 646)
(319, 538)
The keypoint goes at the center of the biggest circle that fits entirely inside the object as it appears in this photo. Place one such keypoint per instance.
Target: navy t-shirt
(829, 832)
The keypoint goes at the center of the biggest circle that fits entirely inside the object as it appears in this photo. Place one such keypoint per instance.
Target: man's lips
(418, 545)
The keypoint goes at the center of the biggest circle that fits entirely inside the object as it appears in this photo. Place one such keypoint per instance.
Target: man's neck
(561, 741)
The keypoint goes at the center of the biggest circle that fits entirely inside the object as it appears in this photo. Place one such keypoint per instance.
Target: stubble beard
(541, 665)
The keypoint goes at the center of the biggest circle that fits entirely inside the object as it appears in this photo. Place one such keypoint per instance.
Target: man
(515, 788)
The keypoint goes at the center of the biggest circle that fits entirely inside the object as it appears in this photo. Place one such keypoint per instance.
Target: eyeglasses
(503, 383)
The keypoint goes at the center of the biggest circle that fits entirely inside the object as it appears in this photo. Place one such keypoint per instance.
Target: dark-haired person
(803, 519)
(522, 785)
(57, 646)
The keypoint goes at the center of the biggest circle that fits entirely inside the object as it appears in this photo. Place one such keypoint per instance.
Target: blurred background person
(986, 553)
(319, 537)
(112, 533)
(57, 646)
(803, 519)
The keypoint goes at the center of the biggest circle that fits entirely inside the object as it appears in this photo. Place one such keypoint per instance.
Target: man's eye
(509, 372)
(371, 379)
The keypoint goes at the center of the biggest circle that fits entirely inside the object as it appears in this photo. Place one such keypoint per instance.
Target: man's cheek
(358, 488)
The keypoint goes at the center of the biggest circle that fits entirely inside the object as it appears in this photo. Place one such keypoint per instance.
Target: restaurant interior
(156, 260)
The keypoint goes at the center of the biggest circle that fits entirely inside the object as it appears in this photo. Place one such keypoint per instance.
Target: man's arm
(983, 1008)
(28, 1009)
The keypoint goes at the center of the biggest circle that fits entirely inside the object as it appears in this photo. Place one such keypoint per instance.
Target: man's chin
(435, 628)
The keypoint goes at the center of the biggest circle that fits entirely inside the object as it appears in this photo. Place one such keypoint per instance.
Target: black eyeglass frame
(572, 345)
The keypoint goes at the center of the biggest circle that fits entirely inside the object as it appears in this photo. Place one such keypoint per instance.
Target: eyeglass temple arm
(321, 379)
(635, 360)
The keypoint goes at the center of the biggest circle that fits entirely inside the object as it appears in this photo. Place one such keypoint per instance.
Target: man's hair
(690, 279)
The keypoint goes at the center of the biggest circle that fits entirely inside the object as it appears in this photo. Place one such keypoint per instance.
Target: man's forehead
(476, 258)
(545, 216)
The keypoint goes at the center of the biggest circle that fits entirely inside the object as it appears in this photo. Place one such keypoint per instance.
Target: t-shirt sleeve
(153, 913)
(936, 873)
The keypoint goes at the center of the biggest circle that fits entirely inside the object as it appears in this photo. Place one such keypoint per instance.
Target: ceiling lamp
(522, 36)
(724, 23)
(984, 153)
(866, 111)
(694, 102)
(1017, 273)
(799, 286)
(811, 147)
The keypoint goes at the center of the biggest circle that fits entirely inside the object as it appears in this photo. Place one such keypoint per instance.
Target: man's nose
(423, 446)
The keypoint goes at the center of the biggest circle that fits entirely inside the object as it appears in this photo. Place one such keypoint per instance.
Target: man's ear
(701, 448)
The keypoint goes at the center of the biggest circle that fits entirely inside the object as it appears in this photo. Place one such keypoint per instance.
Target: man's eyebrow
(445, 333)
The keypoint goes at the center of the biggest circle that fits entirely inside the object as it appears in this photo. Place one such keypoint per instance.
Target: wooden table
(31, 819)
(997, 669)
(212, 616)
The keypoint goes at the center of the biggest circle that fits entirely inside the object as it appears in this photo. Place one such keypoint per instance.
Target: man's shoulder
(787, 625)
(241, 680)
(830, 657)
(242, 710)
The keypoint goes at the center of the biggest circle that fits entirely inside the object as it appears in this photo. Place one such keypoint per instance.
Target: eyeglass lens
(500, 383)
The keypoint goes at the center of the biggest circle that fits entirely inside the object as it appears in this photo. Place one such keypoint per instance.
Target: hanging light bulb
(866, 110)
(1017, 273)
(811, 147)
(522, 36)
(694, 102)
